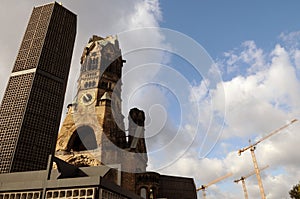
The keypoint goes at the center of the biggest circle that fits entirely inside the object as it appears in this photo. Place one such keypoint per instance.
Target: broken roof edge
(110, 38)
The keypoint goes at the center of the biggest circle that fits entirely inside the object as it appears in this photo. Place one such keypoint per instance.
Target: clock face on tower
(87, 98)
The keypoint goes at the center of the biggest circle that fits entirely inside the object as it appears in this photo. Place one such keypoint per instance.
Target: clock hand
(87, 97)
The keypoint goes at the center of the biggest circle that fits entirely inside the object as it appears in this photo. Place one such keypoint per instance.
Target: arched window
(82, 139)
(143, 192)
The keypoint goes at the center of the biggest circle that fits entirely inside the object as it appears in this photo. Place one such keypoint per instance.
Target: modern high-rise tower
(31, 108)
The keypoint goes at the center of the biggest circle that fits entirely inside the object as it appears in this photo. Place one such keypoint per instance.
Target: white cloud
(147, 14)
(269, 92)
(198, 93)
(253, 56)
(250, 58)
(297, 59)
(256, 104)
(274, 152)
(290, 39)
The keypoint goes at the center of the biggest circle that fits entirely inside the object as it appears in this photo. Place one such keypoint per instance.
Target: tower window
(82, 139)
(104, 85)
(143, 192)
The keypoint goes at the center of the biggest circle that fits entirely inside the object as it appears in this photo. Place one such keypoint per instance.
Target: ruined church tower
(93, 128)
(93, 131)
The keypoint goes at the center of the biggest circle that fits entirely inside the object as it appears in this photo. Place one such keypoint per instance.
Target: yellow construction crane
(252, 148)
(243, 178)
(204, 187)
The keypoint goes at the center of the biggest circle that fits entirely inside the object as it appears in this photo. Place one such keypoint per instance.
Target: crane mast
(243, 178)
(252, 148)
(245, 189)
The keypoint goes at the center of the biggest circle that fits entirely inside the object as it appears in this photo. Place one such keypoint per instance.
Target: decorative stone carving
(82, 160)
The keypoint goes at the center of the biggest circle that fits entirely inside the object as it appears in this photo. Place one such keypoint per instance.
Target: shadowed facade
(31, 108)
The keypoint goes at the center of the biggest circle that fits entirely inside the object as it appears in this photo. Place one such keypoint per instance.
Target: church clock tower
(93, 130)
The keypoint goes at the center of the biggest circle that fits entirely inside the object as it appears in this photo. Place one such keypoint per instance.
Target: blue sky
(255, 48)
(222, 25)
(247, 40)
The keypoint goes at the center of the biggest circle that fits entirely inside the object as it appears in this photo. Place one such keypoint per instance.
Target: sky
(210, 75)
